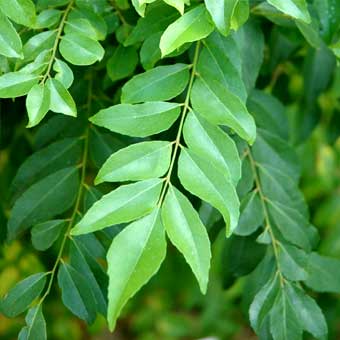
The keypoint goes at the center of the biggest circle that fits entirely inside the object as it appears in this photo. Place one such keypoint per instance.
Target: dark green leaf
(76, 293)
(23, 294)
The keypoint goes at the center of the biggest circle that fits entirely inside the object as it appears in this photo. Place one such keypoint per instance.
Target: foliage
(195, 131)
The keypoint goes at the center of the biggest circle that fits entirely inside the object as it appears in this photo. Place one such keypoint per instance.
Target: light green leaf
(80, 50)
(221, 60)
(39, 64)
(129, 271)
(139, 7)
(64, 73)
(124, 204)
(20, 11)
(122, 63)
(136, 162)
(240, 15)
(210, 142)
(36, 325)
(22, 295)
(221, 12)
(10, 42)
(60, 99)
(308, 312)
(295, 8)
(178, 4)
(16, 84)
(284, 324)
(138, 120)
(37, 104)
(187, 232)
(96, 20)
(219, 106)
(46, 233)
(39, 43)
(201, 178)
(81, 26)
(76, 293)
(47, 198)
(263, 302)
(192, 26)
(293, 262)
(159, 83)
(252, 215)
(323, 273)
(48, 18)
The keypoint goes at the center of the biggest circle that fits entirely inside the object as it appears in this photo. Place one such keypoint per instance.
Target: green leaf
(160, 83)
(252, 215)
(64, 73)
(240, 14)
(103, 144)
(284, 324)
(136, 162)
(60, 99)
(48, 18)
(295, 8)
(187, 232)
(192, 26)
(201, 178)
(221, 12)
(46, 233)
(219, 106)
(47, 198)
(178, 4)
(60, 154)
(220, 60)
(138, 120)
(20, 11)
(291, 224)
(150, 52)
(157, 18)
(122, 63)
(39, 64)
(308, 312)
(36, 325)
(10, 42)
(129, 271)
(96, 20)
(292, 262)
(323, 273)
(263, 302)
(81, 26)
(22, 295)
(124, 204)
(80, 50)
(76, 293)
(85, 262)
(210, 142)
(16, 84)
(250, 41)
(39, 43)
(37, 104)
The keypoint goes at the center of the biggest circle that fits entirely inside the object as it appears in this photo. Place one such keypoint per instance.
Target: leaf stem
(268, 226)
(56, 41)
(181, 123)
